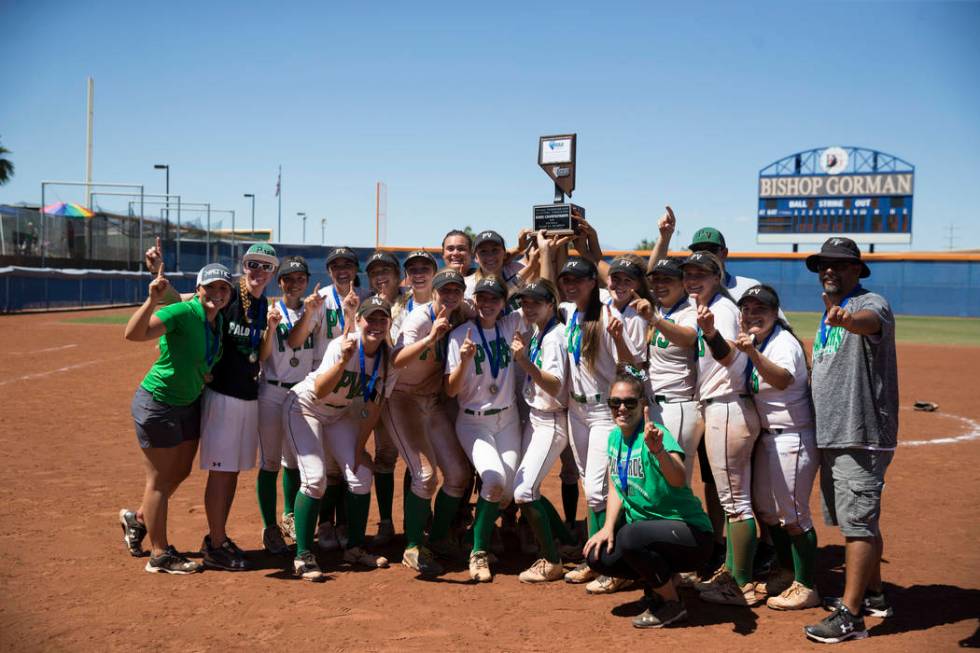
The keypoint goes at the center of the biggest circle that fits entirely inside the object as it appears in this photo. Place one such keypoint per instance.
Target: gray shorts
(161, 426)
(851, 482)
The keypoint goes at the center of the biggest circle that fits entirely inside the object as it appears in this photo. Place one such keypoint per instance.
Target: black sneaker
(660, 613)
(172, 562)
(873, 605)
(227, 557)
(133, 532)
(840, 626)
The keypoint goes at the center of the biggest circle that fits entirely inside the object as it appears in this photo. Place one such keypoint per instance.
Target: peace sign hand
(837, 316)
(314, 302)
(468, 349)
(652, 436)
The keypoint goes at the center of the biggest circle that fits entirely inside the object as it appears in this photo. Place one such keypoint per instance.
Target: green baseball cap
(707, 236)
(262, 252)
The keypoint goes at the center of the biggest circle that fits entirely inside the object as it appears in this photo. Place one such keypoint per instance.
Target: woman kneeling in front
(666, 531)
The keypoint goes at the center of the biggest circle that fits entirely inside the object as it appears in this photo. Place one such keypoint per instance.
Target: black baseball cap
(626, 266)
(292, 264)
(384, 258)
(372, 305)
(838, 249)
(213, 272)
(537, 290)
(339, 253)
(705, 260)
(447, 276)
(421, 254)
(707, 236)
(669, 267)
(761, 293)
(488, 236)
(579, 267)
(491, 285)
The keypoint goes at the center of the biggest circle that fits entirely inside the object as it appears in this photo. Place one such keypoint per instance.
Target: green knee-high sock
(486, 515)
(729, 562)
(780, 540)
(442, 517)
(266, 492)
(804, 548)
(384, 487)
(328, 505)
(596, 521)
(358, 507)
(416, 514)
(290, 488)
(558, 527)
(743, 537)
(537, 516)
(307, 511)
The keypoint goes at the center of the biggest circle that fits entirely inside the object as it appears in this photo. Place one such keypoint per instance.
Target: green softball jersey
(177, 377)
(648, 495)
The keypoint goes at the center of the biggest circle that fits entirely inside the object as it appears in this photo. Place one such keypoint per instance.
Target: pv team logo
(833, 160)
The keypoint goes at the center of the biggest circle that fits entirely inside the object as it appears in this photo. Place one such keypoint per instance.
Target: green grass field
(963, 331)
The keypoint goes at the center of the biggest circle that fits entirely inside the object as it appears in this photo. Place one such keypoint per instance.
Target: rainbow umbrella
(68, 209)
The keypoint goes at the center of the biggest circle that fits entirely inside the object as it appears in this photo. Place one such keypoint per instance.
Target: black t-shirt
(234, 374)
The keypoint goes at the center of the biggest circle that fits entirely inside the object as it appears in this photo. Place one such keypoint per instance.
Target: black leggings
(652, 551)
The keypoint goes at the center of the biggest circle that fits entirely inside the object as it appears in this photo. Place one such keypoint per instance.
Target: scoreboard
(862, 194)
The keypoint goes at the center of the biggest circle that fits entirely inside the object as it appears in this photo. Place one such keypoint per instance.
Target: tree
(6, 166)
(645, 244)
(468, 230)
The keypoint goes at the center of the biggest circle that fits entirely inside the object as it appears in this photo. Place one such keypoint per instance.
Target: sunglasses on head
(629, 402)
(259, 265)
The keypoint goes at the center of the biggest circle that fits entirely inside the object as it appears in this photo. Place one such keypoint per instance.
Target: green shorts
(851, 482)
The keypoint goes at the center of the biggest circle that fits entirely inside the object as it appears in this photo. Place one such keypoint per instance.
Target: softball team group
(483, 377)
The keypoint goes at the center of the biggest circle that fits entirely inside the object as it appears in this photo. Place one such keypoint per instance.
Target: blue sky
(678, 103)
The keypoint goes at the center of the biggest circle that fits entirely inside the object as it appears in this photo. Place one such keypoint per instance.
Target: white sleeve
(726, 320)
(331, 357)
(785, 352)
(636, 352)
(554, 358)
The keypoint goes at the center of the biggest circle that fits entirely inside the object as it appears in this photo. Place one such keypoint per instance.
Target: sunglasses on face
(259, 265)
(629, 402)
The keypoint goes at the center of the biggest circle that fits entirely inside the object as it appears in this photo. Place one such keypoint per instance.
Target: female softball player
(491, 257)
(666, 530)
(480, 376)
(596, 342)
(731, 425)
(627, 283)
(457, 251)
(416, 418)
(166, 407)
(331, 414)
(672, 360)
(786, 457)
(545, 362)
(283, 366)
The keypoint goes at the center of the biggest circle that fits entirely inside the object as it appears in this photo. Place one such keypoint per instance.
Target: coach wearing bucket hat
(855, 397)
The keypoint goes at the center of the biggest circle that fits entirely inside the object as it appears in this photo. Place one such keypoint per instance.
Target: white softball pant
(229, 432)
(425, 438)
(731, 428)
(324, 449)
(785, 468)
(493, 445)
(545, 437)
(272, 433)
(589, 426)
(683, 420)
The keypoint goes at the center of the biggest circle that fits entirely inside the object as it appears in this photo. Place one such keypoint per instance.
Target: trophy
(556, 156)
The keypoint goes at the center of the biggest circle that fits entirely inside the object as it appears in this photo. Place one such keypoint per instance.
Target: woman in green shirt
(167, 408)
(666, 531)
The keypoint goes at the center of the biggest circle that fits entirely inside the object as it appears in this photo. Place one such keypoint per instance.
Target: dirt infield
(66, 582)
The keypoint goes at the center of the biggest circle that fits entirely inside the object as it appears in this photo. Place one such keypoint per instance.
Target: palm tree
(6, 166)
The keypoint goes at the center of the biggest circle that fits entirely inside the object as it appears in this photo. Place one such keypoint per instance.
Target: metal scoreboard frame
(863, 194)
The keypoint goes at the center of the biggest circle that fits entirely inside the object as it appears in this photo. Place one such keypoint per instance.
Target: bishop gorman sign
(851, 191)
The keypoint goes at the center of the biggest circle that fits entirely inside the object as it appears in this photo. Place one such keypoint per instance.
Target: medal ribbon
(340, 307)
(534, 350)
(491, 355)
(622, 469)
(285, 314)
(411, 304)
(824, 332)
(367, 386)
(750, 368)
(443, 345)
(574, 332)
(209, 353)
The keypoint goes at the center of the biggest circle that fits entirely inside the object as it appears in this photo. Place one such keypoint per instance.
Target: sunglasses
(630, 402)
(259, 265)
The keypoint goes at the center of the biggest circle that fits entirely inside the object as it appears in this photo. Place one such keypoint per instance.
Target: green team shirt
(648, 494)
(177, 377)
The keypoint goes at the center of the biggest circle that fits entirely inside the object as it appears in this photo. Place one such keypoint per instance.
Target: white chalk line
(972, 434)
(66, 368)
(40, 351)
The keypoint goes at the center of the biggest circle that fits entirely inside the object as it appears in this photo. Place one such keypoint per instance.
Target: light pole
(166, 227)
(303, 215)
(323, 230)
(252, 195)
